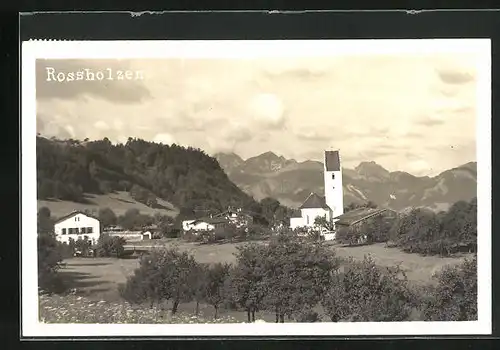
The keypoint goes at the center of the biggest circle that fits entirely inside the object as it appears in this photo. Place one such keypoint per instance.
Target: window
(70, 231)
(82, 230)
(90, 230)
(63, 231)
(333, 176)
(307, 219)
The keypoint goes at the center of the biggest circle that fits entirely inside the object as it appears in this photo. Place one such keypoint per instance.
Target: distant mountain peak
(371, 169)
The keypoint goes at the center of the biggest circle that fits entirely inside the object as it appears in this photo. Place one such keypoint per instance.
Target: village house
(77, 225)
(131, 236)
(231, 216)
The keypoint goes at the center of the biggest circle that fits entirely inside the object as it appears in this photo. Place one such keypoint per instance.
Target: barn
(77, 225)
(350, 223)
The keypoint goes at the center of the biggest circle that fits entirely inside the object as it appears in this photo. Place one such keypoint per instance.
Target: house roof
(332, 161)
(357, 215)
(314, 201)
(75, 212)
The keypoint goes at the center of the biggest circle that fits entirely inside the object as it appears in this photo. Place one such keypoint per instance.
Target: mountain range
(289, 181)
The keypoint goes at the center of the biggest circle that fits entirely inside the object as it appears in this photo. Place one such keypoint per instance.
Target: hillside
(120, 202)
(154, 176)
(289, 181)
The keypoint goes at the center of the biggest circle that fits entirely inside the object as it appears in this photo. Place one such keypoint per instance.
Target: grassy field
(99, 277)
(97, 280)
(120, 202)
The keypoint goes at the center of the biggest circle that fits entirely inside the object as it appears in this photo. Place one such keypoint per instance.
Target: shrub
(455, 296)
(366, 292)
(83, 247)
(215, 291)
(296, 273)
(49, 263)
(110, 246)
(163, 274)
(244, 284)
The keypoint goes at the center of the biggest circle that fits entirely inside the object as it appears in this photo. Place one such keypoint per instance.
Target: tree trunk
(282, 318)
(174, 306)
(248, 316)
(197, 307)
(216, 312)
(253, 315)
(277, 316)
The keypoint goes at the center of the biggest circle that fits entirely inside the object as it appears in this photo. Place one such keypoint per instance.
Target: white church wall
(310, 214)
(296, 223)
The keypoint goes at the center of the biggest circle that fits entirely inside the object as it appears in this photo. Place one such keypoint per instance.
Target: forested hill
(186, 177)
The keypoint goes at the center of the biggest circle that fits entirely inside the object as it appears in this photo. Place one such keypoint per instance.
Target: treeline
(420, 230)
(296, 279)
(187, 177)
(448, 232)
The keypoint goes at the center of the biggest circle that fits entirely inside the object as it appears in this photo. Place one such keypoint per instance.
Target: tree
(107, 217)
(45, 223)
(322, 223)
(131, 219)
(215, 281)
(163, 274)
(366, 292)
(198, 284)
(83, 246)
(49, 262)
(455, 296)
(108, 246)
(244, 284)
(296, 274)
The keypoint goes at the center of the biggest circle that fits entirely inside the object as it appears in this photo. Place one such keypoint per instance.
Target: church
(331, 205)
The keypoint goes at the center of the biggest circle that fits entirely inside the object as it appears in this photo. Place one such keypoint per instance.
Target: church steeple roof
(314, 201)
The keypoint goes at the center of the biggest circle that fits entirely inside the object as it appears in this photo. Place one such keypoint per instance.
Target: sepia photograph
(322, 187)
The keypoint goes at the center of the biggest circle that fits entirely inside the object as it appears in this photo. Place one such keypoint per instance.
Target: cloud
(101, 125)
(430, 122)
(123, 91)
(164, 138)
(268, 109)
(454, 77)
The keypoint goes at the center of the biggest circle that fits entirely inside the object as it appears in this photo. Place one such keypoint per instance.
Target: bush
(49, 262)
(83, 247)
(163, 274)
(422, 231)
(110, 246)
(366, 292)
(455, 296)
(295, 274)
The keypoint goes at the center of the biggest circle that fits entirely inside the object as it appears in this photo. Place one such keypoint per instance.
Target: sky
(413, 113)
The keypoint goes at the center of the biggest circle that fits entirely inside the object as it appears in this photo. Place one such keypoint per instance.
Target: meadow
(120, 202)
(95, 282)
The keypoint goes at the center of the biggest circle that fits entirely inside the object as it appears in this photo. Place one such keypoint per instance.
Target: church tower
(334, 194)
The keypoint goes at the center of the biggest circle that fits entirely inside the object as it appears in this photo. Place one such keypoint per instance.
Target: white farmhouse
(77, 225)
(331, 205)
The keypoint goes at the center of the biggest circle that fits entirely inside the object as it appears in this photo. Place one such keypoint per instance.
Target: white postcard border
(32, 50)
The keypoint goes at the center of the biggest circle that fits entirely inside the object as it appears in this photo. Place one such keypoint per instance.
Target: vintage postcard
(264, 188)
